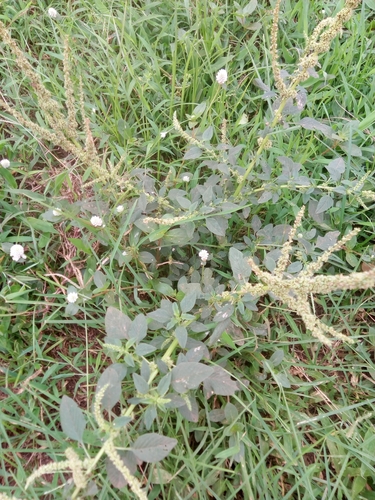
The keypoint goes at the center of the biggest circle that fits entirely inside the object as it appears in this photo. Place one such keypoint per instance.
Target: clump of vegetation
(138, 322)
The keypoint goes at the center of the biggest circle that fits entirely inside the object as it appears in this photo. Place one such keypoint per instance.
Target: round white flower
(222, 76)
(96, 221)
(186, 178)
(120, 209)
(72, 297)
(5, 163)
(53, 14)
(163, 134)
(56, 212)
(203, 255)
(124, 253)
(17, 252)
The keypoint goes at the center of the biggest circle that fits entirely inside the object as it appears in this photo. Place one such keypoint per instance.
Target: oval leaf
(153, 447)
(72, 420)
(117, 324)
(113, 375)
(187, 376)
(324, 204)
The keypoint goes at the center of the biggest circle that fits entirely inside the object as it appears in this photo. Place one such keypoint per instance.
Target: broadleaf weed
(167, 255)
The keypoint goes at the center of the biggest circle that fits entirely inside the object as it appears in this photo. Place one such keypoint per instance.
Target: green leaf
(163, 385)
(117, 324)
(140, 383)
(351, 259)
(358, 486)
(81, 245)
(153, 447)
(188, 302)
(72, 419)
(231, 413)
(277, 357)
(114, 475)
(217, 225)
(312, 124)
(138, 328)
(144, 349)
(199, 109)
(282, 380)
(240, 267)
(208, 133)
(8, 177)
(336, 168)
(41, 225)
(193, 153)
(190, 411)
(100, 279)
(328, 240)
(187, 376)
(113, 376)
(324, 204)
(121, 421)
(181, 335)
(219, 383)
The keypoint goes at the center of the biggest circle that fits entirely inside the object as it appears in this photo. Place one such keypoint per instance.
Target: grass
(299, 423)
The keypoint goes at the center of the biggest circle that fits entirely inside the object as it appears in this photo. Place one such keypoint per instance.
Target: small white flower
(53, 14)
(300, 235)
(186, 178)
(17, 252)
(203, 255)
(222, 76)
(120, 209)
(96, 221)
(124, 253)
(163, 134)
(5, 163)
(244, 119)
(72, 297)
(56, 212)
